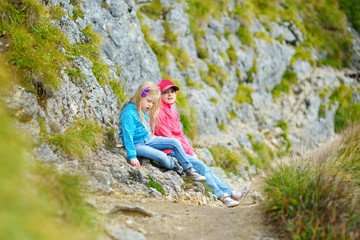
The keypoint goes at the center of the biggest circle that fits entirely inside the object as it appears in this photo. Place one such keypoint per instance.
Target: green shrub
(79, 139)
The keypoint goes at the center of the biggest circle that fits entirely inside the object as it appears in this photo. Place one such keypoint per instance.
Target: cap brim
(174, 86)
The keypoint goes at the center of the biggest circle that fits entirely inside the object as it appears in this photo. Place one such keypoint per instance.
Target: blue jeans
(215, 184)
(152, 148)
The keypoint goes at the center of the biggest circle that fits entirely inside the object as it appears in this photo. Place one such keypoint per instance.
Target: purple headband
(145, 92)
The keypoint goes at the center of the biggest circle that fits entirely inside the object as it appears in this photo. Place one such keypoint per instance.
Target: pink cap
(165, 84)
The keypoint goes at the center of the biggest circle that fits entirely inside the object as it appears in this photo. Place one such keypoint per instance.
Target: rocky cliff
(228, 83)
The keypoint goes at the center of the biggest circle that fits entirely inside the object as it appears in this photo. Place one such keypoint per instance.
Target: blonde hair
(136, 98)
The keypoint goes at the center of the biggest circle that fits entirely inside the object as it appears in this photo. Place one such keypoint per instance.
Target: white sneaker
(228, 201)
(192, 173)
(239, 195)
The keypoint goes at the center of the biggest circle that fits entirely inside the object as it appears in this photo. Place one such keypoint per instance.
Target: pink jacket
(168, 125)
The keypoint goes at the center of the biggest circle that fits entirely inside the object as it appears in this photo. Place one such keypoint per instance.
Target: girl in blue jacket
(136, 134)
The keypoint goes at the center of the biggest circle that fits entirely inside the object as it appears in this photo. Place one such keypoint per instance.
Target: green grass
(154, 10)
(285, 85)
(245, 37)
(347, 112)
(284, 126)
(36, 203)
(315, 198)
(26, 26)
(222, 127)
(352, 11)
(79, 139)
(226, 159)
(118, 91)
(243, 94)
(155, 185)
(303, 54)
(264, 155)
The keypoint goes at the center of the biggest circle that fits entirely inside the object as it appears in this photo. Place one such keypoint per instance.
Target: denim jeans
(152, 148)
(215, 184)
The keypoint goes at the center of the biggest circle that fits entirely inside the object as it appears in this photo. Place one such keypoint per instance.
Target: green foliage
(79, 139)
(118, 91)
(352, 11)
(232, 115)
(213, 100)
(199, 13)
(90, 49)
(252, 72)
(303, 54)
(322, 110)
(264, 154)
(245, 37)
(347, 111)
(182, 58)
(323, 24)
(226, 159)
(284, 87)
(169, 36)
(26, 210)
(243, 94)
(215, 77)
(284, 126)
(314, 199)
(77, 12)
(157, 186)
(25, 24)
(154, 10)
(263, 36)
(345, 116)
(191, 83)
(222, 127)
(232, 54)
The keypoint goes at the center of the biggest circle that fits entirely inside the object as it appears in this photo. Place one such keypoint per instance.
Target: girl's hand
(135, 162)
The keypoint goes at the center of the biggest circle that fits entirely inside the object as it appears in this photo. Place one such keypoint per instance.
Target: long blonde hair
(136, 98)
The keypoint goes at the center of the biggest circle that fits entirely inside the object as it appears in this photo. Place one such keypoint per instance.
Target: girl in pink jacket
(168, 125)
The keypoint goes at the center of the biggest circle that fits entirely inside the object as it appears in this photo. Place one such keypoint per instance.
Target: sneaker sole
(234, 205)
(200, 180)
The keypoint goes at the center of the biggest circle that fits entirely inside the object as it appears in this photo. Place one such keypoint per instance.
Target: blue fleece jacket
(132, 130)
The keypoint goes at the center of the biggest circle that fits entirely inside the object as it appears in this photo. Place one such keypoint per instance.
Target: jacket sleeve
(128, 126)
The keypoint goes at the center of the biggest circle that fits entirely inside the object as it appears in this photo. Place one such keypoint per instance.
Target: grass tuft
(155, 185)
(224, 158)
(317, 198)
(79, 139)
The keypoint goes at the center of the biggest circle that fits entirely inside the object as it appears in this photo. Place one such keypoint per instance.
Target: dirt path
(172, 220)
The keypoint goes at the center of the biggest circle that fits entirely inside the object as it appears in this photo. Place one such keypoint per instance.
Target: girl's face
(147, 103)
(169, 97)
